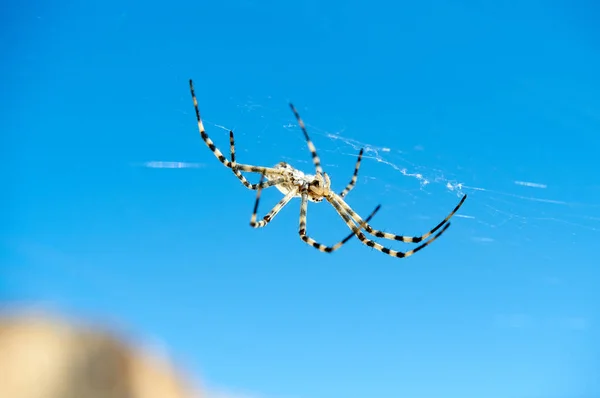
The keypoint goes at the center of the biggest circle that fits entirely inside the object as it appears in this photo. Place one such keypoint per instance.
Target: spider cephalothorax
(316, 187)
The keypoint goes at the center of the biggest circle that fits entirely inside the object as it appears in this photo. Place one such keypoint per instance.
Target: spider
(316, 187)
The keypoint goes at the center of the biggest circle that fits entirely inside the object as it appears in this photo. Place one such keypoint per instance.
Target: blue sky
(498, 100)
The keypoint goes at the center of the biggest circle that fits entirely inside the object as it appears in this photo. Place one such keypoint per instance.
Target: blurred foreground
(51, 357)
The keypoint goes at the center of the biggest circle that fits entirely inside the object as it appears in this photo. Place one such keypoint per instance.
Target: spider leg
(219, 155)
(236, 169)
(401, 238)
(203, 134)
(274, 211)
(314, 243)
(352, 182)
(311, 146)
(337, 204)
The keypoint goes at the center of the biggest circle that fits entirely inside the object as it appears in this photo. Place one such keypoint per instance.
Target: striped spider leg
(232, 164)
(352, 182)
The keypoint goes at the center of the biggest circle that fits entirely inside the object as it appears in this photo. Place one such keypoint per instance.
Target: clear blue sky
(495, 99)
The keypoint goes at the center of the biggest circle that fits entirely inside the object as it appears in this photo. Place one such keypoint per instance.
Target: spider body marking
(316, 187)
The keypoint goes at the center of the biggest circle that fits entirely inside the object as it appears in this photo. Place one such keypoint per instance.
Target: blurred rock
(49, 357)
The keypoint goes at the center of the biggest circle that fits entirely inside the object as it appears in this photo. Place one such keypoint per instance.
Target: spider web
(416, 187)
(494, 209)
